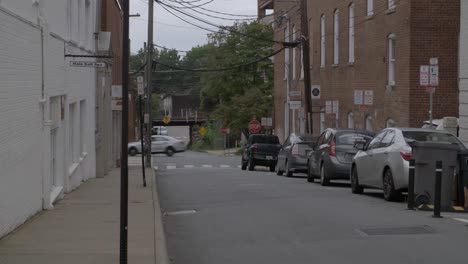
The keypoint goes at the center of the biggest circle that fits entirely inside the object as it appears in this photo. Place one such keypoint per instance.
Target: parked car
(383, 162)
(333, 154)
(292, 157)
(260, 150)
(159, 144)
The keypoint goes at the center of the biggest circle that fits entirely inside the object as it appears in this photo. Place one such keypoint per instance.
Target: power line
(209, 1)
(193, 8)
(220, 13)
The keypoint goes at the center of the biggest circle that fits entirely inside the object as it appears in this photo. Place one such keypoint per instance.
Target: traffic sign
(254, 126)
(358, 97)
(328, 107)
(315, 91)
(363, 107)
(294, 104)
(434, 61)
(336, 107)
(430, 89)
(294, 93)
(433, 75)
(166, 120)
(92, 64)
(202, 131)
(424, 75)
(225, 130)
(368, 97)
(140, 85)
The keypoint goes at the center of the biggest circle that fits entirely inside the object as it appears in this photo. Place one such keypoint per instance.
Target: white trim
(336, 38)
(322, 41)
(351, 40)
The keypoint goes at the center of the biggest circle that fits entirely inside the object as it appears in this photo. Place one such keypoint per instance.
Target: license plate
(269, 157)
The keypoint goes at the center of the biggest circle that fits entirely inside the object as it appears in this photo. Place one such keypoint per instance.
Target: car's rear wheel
(170, 151)
(324, 181)
(355, 187)
(288, 170)
(310, 177)
(278, 171)
(390, 194)
(251, 164)
(132, 151)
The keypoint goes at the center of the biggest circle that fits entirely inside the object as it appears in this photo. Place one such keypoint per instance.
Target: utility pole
(124, 141)
(149, 64)
(306, 65)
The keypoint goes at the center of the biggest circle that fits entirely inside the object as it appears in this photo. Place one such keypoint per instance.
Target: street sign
(202, 131)
(294, 104)
(424, 75)
(335, 107)
(434, 61)
(363, 107)
(140, 85)
(430, 89)
(264, 121)
(315, 91)
(116, 104)
(146, 118)
(294, 93)
(328, 107)
(92, 64)
(433, 75)
(116, 91)
(332, 116)
(254, 126)
(368, 97)
(269, 122)
(225, 130)
(166, 120)
(358, 97)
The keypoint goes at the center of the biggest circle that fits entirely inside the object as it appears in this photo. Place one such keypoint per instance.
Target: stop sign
(254, 126)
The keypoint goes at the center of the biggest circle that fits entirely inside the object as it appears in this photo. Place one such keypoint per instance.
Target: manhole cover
(181, 212)
(402, 230)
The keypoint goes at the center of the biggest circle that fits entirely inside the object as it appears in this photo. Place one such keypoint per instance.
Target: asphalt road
(258, 217)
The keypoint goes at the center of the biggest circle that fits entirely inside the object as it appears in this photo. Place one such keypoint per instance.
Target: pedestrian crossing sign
(166, 120)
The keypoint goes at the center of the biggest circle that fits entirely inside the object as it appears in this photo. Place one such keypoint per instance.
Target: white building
(47, 107)
(463, 75)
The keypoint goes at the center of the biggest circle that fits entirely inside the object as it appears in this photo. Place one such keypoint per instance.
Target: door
(53, 158)
(321, 148)
(159, 144)
(381, 156)
(366, 163)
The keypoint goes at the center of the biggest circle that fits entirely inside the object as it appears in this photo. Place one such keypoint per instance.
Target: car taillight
(406, 154)
(332, 148)
(295, 150)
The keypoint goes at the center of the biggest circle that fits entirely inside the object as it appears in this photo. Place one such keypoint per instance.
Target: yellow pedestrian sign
(166, 120)
(202, 131)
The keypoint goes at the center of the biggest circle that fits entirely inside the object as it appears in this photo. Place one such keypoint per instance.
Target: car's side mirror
(360, 145)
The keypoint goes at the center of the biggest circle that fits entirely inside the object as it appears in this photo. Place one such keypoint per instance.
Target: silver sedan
(383, 163)
(159, 144)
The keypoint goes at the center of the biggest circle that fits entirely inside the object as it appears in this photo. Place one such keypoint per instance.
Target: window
(322, 41)
(369, 125)
(391, 59)
(390, 123)
(286, 52)
(294, 55)
(375, 143)
(336, 38)
(71, 132)
(350, 120)
(388, 139)
(391, 4)
(370, 7)
(82, 127)
(54, 111)
(351, 33)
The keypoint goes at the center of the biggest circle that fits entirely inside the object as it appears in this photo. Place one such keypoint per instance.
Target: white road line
(224, 166)
(170, 167)
(238, 166)
(461, 220)
(207, 166)
(188, 166)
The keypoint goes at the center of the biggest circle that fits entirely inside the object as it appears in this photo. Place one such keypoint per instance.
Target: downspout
(98, 90)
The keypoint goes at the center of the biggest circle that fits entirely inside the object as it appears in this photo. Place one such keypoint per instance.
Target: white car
(159, 144)
(160, 130)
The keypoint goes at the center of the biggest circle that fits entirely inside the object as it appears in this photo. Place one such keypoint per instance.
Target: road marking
(155, 167)
(238, 166)
(224, 166)
(170, 167)
(461, 220)
(188, 166)
(207, 166)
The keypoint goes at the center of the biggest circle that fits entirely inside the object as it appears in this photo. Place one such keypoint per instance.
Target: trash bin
(425, 155)
(463, 178)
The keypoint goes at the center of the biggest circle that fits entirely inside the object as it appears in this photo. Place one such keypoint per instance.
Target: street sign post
(254, 126)
(433, 82)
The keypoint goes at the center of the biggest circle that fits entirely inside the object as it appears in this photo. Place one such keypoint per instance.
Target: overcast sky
(171, 32)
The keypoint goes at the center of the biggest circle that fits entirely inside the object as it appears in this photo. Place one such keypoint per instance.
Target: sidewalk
(84, 226)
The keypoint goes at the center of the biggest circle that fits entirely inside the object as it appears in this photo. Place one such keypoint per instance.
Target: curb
(160, 247)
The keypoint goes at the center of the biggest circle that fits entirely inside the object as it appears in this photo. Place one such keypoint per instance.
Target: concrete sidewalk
(84, 226)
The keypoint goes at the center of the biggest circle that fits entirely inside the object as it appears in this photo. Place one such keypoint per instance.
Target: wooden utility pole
(306, 65)
(149, 64)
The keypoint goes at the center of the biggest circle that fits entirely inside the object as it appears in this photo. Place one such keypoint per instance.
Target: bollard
(411, 185)
(438, 189)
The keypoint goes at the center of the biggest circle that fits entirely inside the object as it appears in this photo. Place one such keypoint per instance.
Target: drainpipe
(97, 133)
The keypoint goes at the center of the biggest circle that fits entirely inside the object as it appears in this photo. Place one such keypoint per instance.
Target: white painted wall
(463, 75)
(28, 183)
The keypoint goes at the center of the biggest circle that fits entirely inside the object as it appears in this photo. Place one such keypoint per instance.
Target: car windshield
(265, 139)
(350, 138)
(431, 137)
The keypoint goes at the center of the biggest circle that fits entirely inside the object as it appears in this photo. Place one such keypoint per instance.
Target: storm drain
(181, 212)
(402, 230)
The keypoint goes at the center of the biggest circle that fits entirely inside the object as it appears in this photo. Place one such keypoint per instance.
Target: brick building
(369, 45)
